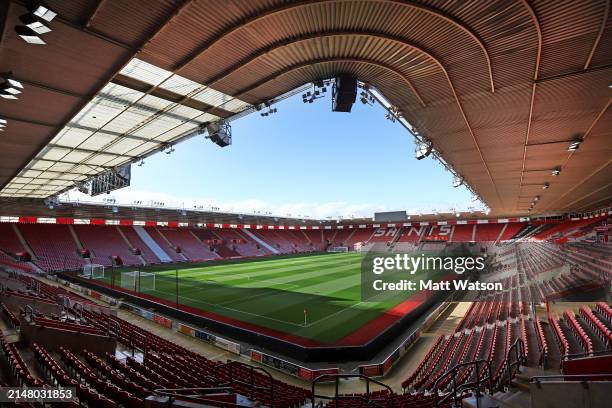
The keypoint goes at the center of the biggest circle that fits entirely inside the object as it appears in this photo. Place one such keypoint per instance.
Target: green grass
(273, 293)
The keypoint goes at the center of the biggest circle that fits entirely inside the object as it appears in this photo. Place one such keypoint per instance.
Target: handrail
(519, 350)
(175, 393)
(539, 378)
(251, 384)
(117, 328)
(78, 307)
(337, 396)
(587, 354)
(458, 388)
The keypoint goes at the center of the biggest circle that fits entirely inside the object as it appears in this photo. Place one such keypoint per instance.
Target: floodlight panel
(28, 35)
(7, 95)
(38, 27)
(14, 83)
(45, 13)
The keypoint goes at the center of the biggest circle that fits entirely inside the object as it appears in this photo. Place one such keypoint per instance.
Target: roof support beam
(602, 27)
(94, 12)
(260, 15)
(306, 37)
(52, 89)
(536, 75)
(359, 60)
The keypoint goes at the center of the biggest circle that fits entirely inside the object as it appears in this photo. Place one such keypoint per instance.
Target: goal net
(338, 249)
(138, 281)
(93, 271)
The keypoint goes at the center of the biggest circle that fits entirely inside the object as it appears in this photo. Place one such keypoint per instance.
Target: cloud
(316, 210)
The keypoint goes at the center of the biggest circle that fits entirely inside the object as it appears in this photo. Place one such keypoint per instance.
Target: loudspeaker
(344, 93)
(220, 133)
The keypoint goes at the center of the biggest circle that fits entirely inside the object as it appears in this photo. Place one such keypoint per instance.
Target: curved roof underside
(500, 87)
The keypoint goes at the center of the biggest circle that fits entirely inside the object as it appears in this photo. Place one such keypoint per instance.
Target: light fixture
(33, 23)
(40, 10)
(269, 111)
(423, 149)
(28, 35)
(546, 186)
(574, 145)
(10, 87)
(319, 88)
(457, 181)
(3, 124)
(556, 171)
(536, 198)
(32, 26)
(170, 150)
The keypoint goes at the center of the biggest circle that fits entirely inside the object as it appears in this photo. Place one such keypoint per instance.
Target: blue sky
(302, 160)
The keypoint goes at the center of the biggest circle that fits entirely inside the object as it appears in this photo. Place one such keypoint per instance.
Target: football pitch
(317, 297)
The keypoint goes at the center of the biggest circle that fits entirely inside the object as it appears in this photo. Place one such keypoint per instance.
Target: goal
(138, 281)
(93, 271)
(338, 249)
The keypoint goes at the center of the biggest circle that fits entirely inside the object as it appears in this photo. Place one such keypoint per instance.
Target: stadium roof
(500, 87)
(31, 207)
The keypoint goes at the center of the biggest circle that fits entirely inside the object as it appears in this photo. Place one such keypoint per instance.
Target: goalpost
(338, 249)
(138, 281)
(93, 271)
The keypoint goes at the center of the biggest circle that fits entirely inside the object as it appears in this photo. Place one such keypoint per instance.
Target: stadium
(121, 287)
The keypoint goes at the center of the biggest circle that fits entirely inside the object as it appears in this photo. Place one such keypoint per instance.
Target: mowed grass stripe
(223, 274)
(301, 277)
(261, 264)
(279, 300)
(274, 293)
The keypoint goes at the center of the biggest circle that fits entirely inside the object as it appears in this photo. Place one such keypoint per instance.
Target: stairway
(150, 242)
(260, 241)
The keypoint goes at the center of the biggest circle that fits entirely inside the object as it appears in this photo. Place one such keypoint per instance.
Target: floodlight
(457, 181)
(34, 24)
(10, 86)
(43, 12)
(574, 145)
(546, 186)
(6, 95)
(556, 171)
(28, 35)
(423, 149)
